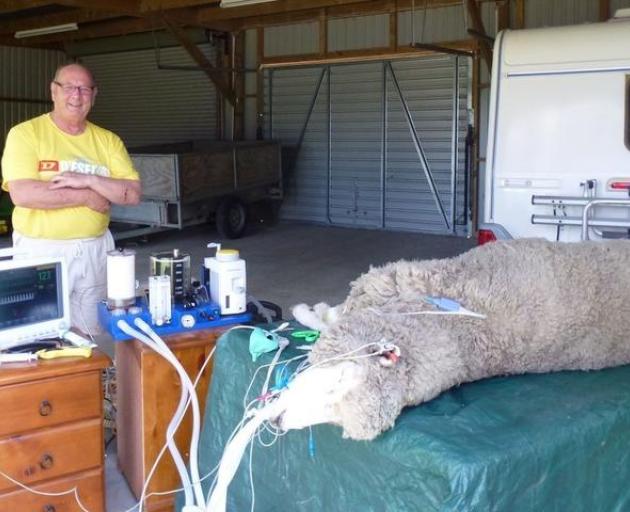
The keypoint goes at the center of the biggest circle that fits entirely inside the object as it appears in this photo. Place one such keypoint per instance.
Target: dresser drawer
(49, 402)
(90, 489)
(52, 452)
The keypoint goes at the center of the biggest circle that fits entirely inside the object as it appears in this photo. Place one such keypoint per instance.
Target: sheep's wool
(549, 306)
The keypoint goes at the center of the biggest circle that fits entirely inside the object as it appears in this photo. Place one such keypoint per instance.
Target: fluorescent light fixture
(239, 3)
(67, 27)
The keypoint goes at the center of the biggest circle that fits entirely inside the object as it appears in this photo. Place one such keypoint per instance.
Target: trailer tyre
(231, 218)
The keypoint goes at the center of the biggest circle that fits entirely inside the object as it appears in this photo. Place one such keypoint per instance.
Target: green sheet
(552, 442)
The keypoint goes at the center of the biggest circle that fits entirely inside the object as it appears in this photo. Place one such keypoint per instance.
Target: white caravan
(558, 158)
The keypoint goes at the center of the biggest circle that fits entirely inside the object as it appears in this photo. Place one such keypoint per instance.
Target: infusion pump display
(30, 294)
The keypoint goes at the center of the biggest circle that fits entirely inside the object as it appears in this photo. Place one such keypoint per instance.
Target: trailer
(558, 154)
(192, 183)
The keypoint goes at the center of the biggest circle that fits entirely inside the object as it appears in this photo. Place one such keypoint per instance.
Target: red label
(48, 165)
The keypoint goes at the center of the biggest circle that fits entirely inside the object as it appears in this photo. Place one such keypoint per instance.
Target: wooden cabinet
(51, 434)
(148, 393)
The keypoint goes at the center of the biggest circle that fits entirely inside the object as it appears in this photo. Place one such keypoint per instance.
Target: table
(528, 443)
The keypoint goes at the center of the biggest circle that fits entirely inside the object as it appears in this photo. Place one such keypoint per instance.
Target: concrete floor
(286, 264)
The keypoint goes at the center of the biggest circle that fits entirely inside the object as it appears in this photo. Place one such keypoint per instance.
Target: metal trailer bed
(192, 183)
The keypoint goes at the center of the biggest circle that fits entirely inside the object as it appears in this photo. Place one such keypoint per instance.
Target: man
(63, 173)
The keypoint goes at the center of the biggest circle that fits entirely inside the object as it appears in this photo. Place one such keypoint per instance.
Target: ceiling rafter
(8, 6)
(105, 29)
(71, 16)
(202, 61)
(128, 7)
(338, 10)
(98, 18)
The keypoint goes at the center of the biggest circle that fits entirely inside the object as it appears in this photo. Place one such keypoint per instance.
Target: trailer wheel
(231, 218)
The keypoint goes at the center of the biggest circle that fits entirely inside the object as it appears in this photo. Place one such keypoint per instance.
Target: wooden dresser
(51, 434)
(148, 390)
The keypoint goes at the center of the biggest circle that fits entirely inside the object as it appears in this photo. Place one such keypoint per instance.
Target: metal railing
(587, 220)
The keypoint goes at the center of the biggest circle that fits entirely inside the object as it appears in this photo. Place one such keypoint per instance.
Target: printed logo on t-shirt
(48, 165)
(83, 167)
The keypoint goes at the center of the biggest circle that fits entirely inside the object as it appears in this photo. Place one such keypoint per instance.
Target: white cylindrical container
(121, 278)
(228, 286)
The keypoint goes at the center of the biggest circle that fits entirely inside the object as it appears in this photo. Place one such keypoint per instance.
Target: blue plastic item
(443, 303)
(204, 316)
(262, 341)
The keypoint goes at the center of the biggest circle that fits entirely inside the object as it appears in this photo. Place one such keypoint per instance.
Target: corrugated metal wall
(439, 24)
(301, 119)
(294, 39)
(358, 32)
(147, 105)
(25, 76)
(436, 91)
(358, 160)
(543, 13)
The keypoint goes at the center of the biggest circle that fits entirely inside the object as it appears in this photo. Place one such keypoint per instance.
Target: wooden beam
(201, 60)
(437, 48)
(477, 25)
(289, 7)
(520, 14)
(238, 86)
(260, 83)
(7, 6)
(339, 10)
(365, 55)
(393, 25)
(128, 7)
(49, 20)
(502, 8)
(604, 10)
(93, 31)
(323, 32)
(474, 151)
(165, 5)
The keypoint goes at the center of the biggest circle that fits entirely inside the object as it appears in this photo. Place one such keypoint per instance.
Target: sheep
(540, 307)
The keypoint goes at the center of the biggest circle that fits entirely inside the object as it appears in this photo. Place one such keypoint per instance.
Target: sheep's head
(357, 382)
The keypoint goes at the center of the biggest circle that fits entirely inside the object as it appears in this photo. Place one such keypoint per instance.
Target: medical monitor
(34, 299)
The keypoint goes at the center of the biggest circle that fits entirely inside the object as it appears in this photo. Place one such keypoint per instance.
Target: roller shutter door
(379, 145)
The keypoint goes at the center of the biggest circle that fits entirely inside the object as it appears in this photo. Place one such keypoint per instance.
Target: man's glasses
(69, 89)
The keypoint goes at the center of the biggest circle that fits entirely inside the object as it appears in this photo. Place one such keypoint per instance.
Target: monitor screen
(34, 300)
(30, 295)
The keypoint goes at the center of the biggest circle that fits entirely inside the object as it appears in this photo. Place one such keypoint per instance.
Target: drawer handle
(47, 461)
(45, 408)
(49, 508)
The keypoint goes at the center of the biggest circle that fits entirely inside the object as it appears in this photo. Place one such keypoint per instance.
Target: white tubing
(177, 457)
(194, 402)
(233, 453)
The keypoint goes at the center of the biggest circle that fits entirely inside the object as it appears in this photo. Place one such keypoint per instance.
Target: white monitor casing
(33, 331)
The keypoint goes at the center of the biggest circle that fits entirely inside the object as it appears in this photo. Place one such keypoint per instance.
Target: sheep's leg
(319, 317)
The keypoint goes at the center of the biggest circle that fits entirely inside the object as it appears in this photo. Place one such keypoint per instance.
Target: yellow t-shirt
(37, 149)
